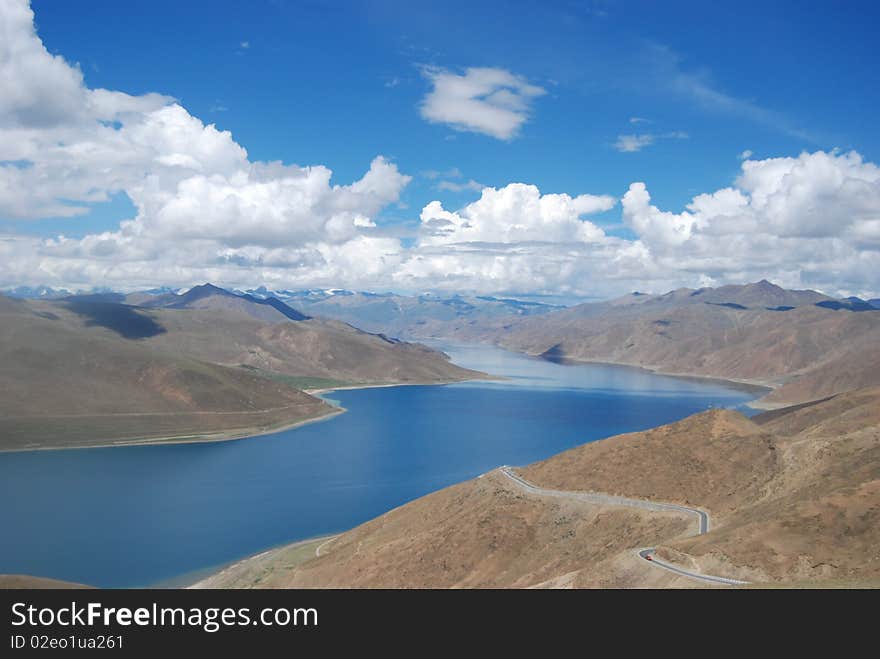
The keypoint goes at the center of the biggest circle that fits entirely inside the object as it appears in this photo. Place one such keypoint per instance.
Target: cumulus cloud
(513, 214)
(41, 91)
(806, 221)
(202, 206)
(491, 101)
(206, 212)
(745, 155)
(810, 220)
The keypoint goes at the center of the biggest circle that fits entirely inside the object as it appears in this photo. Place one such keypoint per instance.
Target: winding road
(323, 544)
(647, 554)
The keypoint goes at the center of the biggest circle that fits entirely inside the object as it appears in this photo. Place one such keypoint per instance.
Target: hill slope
(67, 383)
(803, 343)
(757, 332)
(793, 495)
(80, 372)
(208, 296)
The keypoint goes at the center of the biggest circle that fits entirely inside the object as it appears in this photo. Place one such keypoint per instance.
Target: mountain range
(207, 364)
(204, 351)
(803, 344)
(409, 316)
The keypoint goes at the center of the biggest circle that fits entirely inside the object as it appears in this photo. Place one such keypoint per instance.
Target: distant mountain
(758, 295)
(208, 296)
(875, 303)
(432, 316)
(95, 297)
(36, 292)
(310, 295)
(421, 316)
(803, 342)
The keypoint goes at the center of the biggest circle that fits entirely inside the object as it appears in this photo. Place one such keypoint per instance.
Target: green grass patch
(299, 382)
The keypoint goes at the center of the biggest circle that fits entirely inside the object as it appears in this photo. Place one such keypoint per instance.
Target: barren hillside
(793, 495)
(83, 372)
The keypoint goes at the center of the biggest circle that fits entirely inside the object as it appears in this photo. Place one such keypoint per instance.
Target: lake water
(140, 515)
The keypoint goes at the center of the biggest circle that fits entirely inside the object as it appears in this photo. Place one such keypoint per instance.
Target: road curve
(647, 554)
(323, 544)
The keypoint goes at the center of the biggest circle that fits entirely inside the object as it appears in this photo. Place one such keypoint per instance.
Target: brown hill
(66, 383)
(855, 365)
(834, 416)
(803, 343)
(479, 534)
(756, 333)
(79, 372)
(793, 496)
(208, 296)
(698, 461)
(313, 348)
(703, 339)
(820, 518)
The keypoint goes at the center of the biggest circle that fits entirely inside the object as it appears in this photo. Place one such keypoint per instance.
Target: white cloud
(639, 120)
(491, 101)
(665, 68)
(433, 174)
(808, 221)
(633, 143)
(745, 155)
(245, 45)
(460, 186)
(515, 213)
(811, 220)
(451, 185)
(206, 212)
(200, 201)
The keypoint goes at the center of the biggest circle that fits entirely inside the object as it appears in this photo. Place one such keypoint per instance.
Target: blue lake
(140, 515)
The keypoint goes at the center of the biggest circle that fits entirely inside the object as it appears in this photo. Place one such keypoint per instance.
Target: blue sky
(337, 84)
(311, 85)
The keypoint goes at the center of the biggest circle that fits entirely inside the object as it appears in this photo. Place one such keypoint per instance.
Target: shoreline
(752, 385)
(206, 438)
(209, 573)
(768, 386)
(350, 387)
(202, 578)
(234, 435)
